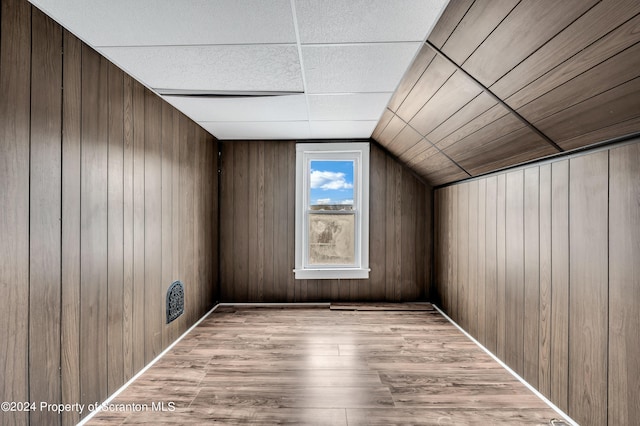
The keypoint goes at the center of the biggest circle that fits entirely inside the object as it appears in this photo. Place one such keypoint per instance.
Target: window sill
(337, 273)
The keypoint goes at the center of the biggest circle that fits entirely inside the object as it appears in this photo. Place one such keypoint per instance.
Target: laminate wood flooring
(318, 366)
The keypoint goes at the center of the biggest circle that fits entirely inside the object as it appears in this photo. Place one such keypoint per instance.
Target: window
(332, 210)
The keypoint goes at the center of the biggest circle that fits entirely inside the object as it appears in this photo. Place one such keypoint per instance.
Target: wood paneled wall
(557, 296)
(107, 195)
(257, 230)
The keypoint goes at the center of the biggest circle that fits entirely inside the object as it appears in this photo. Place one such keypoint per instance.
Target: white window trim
(305, 152)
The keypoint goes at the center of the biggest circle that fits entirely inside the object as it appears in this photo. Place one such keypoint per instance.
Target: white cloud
(347, 202)
(323, 201)
(329, 180)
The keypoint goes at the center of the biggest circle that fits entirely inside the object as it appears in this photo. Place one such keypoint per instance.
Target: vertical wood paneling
(138, 304)
(482, 274)
(588, 290)
(198, 237)
(563, 236)
(472, 292)
(258, 204)
(240, 228)
(94, 209)
(152, 226)
(391, 251)
(501, 266)
(179, 325)
(261, 219)
(200, 240)
(15, 44)
(560, 283)
(44, 216)
(253, 212)
(544, 354)
(115, 231)
(226, 228)
(280, 225)
(454, 260)
(531, 274)
(491, 282)
(290, 159)
(128, 228)
(624, 285)
(377, 224)
(168, 330)
(440, 252)
(423, 239)
(407, 236)
(514, 271)
(397, 232)
(463, 255)
(71, 160)
(188, 264)
(74, 195)
(214, 234)
(209, 189)
(269, 218)
(280, 218)
(446, 235)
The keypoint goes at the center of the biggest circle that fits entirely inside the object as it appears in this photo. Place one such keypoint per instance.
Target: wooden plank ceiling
(504, 82)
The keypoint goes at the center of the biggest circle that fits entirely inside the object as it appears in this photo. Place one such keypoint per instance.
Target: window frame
(330, 151)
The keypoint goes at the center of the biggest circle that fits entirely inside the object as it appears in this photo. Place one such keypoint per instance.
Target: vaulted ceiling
(503, 82)
(492, 85)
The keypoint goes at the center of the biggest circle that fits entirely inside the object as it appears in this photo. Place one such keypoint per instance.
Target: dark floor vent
(175, 301)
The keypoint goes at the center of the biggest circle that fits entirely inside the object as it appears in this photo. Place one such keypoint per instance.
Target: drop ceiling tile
(356, 68)
(340, 21)
(357, 106)
(170, 22)
(263, 108)
(258, 130)
(232, 68)
(342, 129)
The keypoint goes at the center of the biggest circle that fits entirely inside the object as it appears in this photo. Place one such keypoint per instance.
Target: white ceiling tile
(356, 68)
(342, 129)
(265, 108)
(170, 22)
(349, 21)
(284, 130)
(231, 68)
(355, 54)
(356, 106)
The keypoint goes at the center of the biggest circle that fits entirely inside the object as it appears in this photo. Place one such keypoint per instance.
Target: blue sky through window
(331, 182)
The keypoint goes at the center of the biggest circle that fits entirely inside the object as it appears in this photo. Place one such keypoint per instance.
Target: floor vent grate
(175, 301)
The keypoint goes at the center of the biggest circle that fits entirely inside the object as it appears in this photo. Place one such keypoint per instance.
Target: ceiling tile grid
(237, 109)
(233, 68)
(330, 65)
(260, 130)
(356, 68)
(365, 21)
(357, 106)
(453, 88)
(174, 23)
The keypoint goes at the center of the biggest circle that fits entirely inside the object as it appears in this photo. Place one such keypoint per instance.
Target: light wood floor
(333, 367)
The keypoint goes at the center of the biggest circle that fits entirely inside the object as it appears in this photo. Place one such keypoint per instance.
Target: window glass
(332, 239)
(331, 185)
